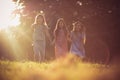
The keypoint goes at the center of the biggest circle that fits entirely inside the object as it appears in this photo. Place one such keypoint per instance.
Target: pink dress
(61, 46)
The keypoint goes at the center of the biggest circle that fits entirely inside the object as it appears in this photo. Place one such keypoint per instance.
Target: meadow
(68, 68)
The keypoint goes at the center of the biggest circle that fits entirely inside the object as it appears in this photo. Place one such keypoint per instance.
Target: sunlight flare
(10, 13)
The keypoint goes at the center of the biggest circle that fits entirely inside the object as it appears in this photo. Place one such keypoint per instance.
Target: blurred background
(100, 17)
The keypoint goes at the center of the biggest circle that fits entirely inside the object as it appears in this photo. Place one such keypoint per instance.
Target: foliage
(68, 68)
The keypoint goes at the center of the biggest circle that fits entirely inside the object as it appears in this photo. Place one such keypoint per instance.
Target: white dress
(39, 41)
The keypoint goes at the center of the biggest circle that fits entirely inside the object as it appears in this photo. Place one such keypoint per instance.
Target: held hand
(53, 42)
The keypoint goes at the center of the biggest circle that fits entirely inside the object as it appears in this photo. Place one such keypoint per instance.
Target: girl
(60, 34)
(40, 34)
(78, 39)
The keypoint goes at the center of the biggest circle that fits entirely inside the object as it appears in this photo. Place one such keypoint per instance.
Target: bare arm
(54, 37)
(48, 34)
(32, 27)
(84, 35)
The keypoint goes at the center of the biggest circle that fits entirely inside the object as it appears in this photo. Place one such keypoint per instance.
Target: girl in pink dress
(60, 34)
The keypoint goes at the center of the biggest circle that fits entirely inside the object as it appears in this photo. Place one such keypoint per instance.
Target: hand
(52, 42)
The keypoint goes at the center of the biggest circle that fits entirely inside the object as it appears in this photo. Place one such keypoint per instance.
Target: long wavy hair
(74, 27)
(38, 16)
(57, 28)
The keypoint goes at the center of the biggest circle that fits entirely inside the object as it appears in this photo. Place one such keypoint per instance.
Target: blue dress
(77, 45)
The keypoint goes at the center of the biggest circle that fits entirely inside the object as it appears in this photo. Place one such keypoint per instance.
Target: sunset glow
(9, 16)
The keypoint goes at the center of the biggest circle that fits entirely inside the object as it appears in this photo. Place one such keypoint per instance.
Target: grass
(62, 69)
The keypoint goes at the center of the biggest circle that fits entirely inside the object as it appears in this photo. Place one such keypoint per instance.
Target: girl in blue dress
(78, 39)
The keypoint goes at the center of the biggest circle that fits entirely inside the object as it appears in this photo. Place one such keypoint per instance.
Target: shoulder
(46, 27)
(33, 25)
(72, 33)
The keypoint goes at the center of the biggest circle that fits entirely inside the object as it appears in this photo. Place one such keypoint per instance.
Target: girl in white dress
(40, 33)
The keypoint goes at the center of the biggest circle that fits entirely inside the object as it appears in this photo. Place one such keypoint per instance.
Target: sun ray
(7, 16)
(10, 14)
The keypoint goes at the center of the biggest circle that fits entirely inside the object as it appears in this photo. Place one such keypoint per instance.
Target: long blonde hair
(40, 15)
(57, 27)
(74, 26)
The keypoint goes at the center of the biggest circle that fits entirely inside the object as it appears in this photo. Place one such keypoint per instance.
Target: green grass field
(62, 69)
